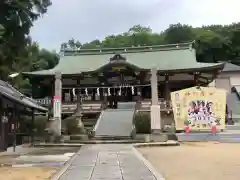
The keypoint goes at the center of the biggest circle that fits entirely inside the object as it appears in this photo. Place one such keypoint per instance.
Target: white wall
(234, 78)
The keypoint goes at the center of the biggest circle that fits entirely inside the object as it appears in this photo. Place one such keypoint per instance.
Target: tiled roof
(164, 58)
(11, 93)
(229, 67)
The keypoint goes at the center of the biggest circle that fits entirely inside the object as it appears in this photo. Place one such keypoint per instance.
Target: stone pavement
(107, 162)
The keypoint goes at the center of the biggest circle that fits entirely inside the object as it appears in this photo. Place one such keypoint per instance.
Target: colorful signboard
(199, 108)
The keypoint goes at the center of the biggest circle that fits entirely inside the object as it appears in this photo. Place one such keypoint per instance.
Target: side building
(229, 79)
(14, 109)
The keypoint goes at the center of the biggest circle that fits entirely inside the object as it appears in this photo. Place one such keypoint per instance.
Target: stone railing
(70, 106)
(164, 105)
(47, 101)
(88, 107)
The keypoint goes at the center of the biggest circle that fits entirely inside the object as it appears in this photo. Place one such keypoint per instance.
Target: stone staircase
(89, 122)
(116, 123)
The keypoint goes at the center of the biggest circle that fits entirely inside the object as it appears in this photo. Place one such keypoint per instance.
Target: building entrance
(123, 94)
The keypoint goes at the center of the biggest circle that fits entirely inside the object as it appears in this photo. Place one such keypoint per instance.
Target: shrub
(40, 124)
(71, 126)
(142, 123)
(26, 124)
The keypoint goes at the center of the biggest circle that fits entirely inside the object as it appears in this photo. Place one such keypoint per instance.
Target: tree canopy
(18, 52)
(213, 43)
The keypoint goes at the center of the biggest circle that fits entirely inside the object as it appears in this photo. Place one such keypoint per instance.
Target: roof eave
(32, 74)
(39, 108)
(207, 68)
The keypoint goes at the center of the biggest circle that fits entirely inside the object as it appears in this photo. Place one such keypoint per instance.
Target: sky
(87, 20)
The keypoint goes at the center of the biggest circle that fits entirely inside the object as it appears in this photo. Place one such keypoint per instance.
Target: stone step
(89, 119)
(89, 123)
(233, 127)
(89, 128)
(94, 141)
(229, 140)
(221, 137)
(115, 122)
(112, 137)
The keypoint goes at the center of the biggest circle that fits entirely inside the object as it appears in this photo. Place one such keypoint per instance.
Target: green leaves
(178, 33)
(16, 19)
(1, 30)
(17, 52)
(213, 43)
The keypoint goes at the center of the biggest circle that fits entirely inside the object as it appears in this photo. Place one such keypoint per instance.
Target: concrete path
(107, 162)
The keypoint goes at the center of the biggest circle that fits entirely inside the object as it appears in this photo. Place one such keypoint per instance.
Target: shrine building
(123, 73)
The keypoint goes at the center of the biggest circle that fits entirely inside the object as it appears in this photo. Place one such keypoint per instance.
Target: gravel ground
(10, 158)
(26, 173)
(30, 173)
(196, 161)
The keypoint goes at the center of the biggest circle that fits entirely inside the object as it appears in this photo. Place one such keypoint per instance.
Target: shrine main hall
(127, 74)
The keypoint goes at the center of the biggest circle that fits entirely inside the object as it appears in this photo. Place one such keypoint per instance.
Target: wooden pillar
(196, 76)
(13, 127)
(167, 90)
(105, 98)
(93, 94)
(155, 107)
(32, 125)
(101, 94)
(2, 139)
(33, 88)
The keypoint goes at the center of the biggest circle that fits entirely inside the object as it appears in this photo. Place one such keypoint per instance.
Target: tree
(235, 46)
(1, 30)
(17, 18)
(213, 43)
(71, 43)
(178, 33)
(139, 29)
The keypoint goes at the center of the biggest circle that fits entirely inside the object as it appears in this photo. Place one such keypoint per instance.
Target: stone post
(79, 112)
(57, 104)
(155, 107)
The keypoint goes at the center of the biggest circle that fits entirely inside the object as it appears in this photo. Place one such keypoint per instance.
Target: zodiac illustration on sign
(201, 112)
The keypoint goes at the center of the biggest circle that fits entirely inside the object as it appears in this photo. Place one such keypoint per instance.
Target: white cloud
(211, 11)
(87, 20)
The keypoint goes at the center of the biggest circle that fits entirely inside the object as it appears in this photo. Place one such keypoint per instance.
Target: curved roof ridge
(128, 49)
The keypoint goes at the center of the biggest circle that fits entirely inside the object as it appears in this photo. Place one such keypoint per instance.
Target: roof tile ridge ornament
(129, 49)
(117, 57)
(191, 44)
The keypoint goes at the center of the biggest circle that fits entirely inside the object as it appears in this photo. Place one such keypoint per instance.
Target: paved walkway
(107, 162)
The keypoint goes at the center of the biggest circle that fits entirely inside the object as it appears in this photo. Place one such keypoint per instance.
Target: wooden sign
(118, 68)
(199, 108)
